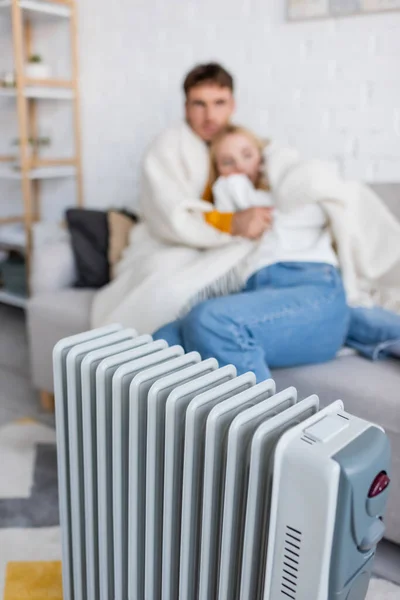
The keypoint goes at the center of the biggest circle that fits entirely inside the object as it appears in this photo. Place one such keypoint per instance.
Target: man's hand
(252, 222)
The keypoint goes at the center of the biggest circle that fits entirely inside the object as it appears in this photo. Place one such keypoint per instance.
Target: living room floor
(18, 400)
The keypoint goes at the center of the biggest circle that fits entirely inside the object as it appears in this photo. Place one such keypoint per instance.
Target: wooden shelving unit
(27, 94)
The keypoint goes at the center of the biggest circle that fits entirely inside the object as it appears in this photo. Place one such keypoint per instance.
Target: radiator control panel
(326, 428)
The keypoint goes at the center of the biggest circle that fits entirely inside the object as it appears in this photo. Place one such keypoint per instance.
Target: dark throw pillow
(89, 239)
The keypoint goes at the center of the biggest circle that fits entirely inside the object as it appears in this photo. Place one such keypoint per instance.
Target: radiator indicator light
(379, 484)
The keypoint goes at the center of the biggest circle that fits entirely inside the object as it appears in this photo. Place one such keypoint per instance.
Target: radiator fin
(178, 479)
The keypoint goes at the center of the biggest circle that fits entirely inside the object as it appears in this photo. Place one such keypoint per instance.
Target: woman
(292, 309)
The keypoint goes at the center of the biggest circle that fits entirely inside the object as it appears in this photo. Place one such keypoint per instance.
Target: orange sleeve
(220, 220)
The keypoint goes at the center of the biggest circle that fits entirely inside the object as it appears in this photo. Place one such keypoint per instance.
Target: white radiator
(180, 480)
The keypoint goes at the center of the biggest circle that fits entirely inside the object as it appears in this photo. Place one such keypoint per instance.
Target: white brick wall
(330, 87)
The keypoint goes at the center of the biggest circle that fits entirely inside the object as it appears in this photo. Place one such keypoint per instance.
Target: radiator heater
(180, 480)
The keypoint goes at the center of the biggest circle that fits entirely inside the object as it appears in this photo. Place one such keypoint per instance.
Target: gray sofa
(369, 390)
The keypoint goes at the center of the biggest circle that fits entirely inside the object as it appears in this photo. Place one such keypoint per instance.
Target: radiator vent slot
(307, 440)
(291, 562)
(343, 417)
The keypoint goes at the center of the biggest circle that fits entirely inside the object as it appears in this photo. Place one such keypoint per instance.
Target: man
(209, 107)
(183, 250)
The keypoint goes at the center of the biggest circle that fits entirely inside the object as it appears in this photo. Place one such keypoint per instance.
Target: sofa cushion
(369, 389)
(119, 229)
(89, 239)
(52, 264)
(98, 239)
(390, 194)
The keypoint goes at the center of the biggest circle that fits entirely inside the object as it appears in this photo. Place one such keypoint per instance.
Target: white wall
(330, 87)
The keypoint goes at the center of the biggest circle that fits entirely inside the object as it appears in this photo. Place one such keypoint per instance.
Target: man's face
(209, 108)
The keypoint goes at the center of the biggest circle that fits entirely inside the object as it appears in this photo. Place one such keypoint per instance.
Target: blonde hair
(262, 180)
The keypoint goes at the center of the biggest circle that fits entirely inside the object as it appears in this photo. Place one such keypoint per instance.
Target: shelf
(18, 232)
(39, 173)
(8, 92)
(13, 237)
(40, 8)
(49, 82)
(12, 299)
(40, 93)
(11, 220)
(50, 93)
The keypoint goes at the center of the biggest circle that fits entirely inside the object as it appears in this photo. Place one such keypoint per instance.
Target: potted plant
(35, 68)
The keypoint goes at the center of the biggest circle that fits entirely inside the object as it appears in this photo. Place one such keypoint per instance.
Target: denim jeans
(374, 332)
(288, 314)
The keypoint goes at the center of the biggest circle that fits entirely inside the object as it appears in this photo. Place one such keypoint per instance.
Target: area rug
(30, 547)
(29, 522)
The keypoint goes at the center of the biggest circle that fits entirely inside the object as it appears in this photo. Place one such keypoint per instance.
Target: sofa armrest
(53, 264)
(51, 317)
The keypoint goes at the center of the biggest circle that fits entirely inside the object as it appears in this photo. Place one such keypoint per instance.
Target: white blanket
(176, 259)
(365, 233)
(300, 235)
(174, 255)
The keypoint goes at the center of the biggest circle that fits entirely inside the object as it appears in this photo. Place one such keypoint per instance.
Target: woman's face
(236, 153)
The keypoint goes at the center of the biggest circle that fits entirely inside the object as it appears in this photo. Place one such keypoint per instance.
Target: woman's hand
(252, 222)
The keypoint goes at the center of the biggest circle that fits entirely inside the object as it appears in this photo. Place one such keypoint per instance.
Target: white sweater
(301, 235)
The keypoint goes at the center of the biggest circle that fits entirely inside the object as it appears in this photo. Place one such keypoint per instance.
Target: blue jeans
(374, 332)
(288, 314)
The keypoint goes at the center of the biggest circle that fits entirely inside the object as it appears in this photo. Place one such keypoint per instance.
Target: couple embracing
(247, 253)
